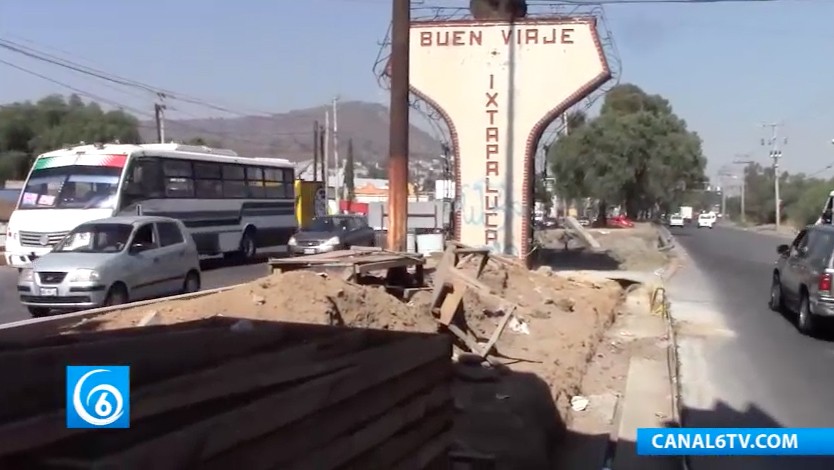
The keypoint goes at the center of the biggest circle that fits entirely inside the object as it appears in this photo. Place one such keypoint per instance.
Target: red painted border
(538, 129)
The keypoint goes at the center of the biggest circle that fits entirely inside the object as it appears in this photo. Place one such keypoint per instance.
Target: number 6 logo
(103, 406)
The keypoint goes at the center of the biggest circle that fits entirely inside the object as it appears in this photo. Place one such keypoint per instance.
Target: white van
(706, 219)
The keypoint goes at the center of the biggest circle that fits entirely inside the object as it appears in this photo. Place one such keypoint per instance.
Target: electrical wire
(113, 78)
(123, 106)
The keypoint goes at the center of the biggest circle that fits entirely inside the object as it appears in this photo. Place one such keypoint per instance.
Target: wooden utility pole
(398, 131)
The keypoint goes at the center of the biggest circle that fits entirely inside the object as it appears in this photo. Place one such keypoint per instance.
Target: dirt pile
(561, 321)
(300, 296)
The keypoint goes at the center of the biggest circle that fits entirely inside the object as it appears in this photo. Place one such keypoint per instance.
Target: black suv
(802, 277)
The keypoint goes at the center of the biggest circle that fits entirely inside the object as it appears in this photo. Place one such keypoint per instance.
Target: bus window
(144, 181)
(208, 189)
(179, 187)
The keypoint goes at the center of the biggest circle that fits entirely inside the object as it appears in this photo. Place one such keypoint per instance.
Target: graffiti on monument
(509, 79)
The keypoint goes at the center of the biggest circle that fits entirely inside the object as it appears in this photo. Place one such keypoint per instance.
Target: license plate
(49, 291)
(309, 251)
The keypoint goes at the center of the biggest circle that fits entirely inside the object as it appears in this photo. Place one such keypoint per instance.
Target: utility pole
(743, 180)
(339, 170)
(775, 154)
(327, 158)
(321, 152)
(398, 130)
(159, 115)
(315, 150)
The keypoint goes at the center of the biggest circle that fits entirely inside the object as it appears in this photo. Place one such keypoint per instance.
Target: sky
(726, 68)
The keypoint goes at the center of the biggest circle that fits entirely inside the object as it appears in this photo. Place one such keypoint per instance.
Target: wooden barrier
(205, 394)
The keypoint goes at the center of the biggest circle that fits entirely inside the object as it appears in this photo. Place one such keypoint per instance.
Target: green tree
(637, 153)
(350, 178)
(28, 129)
(802, 197)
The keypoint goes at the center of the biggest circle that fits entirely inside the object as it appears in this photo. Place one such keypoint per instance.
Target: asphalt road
(767, 374)
(216, 273)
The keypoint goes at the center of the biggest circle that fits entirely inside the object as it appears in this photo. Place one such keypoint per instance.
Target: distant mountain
(290, 135)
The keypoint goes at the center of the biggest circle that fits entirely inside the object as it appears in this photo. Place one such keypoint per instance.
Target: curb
(25, 330)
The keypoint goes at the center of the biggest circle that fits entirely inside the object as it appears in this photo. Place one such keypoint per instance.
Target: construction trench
(356, 359)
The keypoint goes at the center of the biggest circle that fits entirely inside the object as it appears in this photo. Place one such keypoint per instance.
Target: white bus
(232, 205)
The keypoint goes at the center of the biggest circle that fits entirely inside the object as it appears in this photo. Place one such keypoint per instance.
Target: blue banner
(735, 441)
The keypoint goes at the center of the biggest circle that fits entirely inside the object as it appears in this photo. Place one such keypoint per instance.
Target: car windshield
(96, 238)
(327, 224)
(71, 187)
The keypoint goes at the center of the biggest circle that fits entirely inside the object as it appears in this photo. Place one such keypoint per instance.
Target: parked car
(112, 261)
(676, 220)
(332, 232)
(802, 277)
(620, 221)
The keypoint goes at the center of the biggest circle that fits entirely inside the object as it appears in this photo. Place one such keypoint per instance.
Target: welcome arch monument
(498, 84)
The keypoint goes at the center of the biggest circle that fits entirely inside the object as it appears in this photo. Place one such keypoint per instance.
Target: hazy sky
(725, 67)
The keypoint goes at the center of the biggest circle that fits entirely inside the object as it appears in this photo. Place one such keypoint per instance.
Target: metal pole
(337, 185)
(398, 131)
(743, 190)
(315, 150)
(327, 159)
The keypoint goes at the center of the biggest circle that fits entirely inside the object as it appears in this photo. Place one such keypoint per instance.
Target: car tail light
(825, 282)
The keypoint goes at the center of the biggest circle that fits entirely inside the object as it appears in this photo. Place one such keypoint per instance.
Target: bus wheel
(248, 248)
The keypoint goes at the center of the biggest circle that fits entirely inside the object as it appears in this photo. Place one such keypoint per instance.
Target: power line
(119, 80)
(123, 106)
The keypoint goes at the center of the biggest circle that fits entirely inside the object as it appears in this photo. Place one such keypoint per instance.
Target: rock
(258, 299)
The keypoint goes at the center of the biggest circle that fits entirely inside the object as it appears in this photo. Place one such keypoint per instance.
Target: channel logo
(98, 397)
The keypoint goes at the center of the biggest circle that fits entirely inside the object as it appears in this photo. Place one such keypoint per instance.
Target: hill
(290, 135)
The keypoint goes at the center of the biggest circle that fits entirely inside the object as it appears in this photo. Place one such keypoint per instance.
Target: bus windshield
(71, 187)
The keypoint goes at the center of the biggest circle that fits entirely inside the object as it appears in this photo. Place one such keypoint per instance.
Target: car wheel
(191, 283)
(805, 321)
(117, 295)
(776, 304)
(38, 312)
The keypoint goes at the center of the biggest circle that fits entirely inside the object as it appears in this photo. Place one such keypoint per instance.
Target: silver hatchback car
(112, 261)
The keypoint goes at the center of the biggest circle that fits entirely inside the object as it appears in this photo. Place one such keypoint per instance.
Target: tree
(802, 197)
(637, 153)
(203, 142)
(350, 178)
(28, 129)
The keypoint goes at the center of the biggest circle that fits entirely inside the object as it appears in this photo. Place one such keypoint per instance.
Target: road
(742, 364)
(215, 274)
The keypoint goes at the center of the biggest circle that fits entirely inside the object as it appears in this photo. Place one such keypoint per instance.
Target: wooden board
(206, 435)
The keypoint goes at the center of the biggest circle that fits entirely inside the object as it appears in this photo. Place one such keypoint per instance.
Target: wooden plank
(346, 448)
(303, 437)
(451, 303)
(429, 454)
(150, 358)
(364, 268)
(211, 436)
(400, 446)
(90, 334)
(236, 376)
(499, 330)
(26, 330)
(441, 274)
